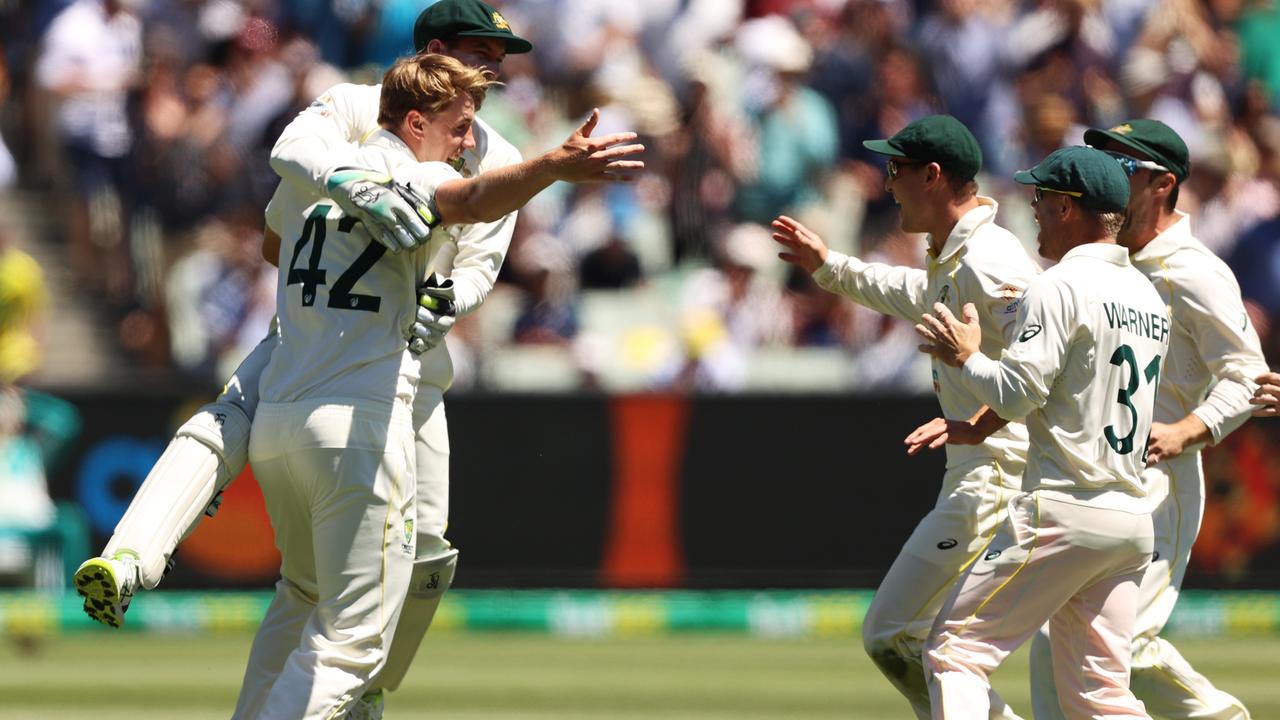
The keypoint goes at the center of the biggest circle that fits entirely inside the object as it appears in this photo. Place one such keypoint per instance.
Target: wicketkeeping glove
(436, 313)
(394, 213)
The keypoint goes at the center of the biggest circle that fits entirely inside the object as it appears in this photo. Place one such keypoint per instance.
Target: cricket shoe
(107, 586)
(368, 707)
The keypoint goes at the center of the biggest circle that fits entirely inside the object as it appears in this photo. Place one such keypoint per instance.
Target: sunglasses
(1131, 165)
(1041, 190)
(894, 165)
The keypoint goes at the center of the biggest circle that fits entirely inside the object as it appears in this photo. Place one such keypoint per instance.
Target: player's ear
(416, 122)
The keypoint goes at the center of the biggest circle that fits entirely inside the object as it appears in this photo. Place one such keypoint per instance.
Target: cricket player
(332, 442)
(1204, 394)
(316, 157)
(932, 163)
(1267, 396)
(1092, 334)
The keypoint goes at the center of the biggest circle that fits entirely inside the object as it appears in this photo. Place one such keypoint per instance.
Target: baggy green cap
(935, 138)
(1151, 138)
(1083, 172)
(465, 18)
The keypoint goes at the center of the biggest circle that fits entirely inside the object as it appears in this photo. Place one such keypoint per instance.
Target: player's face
(479, 52)
(1145, 198)
(448, 133)
(905, 182)
(1048, 208)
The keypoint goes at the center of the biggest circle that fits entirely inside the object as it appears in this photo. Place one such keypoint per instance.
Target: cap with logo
(1151, 138)
(1090, 175)
(935, 138)
(465, 18)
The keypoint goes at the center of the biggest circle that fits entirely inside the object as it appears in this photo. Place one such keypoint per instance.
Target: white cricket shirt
(344, 302)
(1083, 369)
(980, 263)
(1214, 352)
(323, 137)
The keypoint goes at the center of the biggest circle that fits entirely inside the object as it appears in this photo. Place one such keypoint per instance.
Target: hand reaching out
(803, 246)
(583, 158)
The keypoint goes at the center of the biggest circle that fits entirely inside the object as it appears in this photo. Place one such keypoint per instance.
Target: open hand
(803, 246)
(949, 339)
(583, 159)
(941, 431)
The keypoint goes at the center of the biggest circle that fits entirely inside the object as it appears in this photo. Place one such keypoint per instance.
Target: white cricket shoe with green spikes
(107, 586)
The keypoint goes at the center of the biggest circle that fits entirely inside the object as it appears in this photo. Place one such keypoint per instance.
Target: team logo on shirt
(1032, 330)
(942, 296)
(408, 536)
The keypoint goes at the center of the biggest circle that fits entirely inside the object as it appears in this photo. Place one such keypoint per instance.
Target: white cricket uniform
(178, 494)
(320, 139)
(332, 448)
(1214, 354)
(984, 264)
(1083, 370)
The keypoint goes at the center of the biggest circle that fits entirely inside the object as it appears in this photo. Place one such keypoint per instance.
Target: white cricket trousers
(1160, 677)
(970, 509)
(338, 481)
(431, 450)
(1068, 561)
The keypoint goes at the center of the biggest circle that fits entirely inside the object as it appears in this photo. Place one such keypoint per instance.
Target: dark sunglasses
(1131, 165)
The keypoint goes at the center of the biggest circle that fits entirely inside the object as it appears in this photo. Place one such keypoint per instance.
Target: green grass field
(114, 676)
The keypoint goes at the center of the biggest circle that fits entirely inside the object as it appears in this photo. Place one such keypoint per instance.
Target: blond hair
(427, 83)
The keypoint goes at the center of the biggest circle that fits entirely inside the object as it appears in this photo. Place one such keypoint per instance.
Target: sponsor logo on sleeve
(1032, 330)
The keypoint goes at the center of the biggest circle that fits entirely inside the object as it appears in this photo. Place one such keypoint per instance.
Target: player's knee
(877, 632)
(224, 428)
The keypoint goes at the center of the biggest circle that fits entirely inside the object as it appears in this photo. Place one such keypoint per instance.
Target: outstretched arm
(893, 290)
(581, 159)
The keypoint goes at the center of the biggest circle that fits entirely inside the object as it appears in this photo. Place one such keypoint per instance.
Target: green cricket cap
(1151, 138)
(448, 19)
(935, 138)
(1083, 172)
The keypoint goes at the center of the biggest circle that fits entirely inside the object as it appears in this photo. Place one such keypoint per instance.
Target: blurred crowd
(145, 127)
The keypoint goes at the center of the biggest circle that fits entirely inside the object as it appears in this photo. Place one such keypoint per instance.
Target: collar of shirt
(966, 227)
(383, 138)
(1165, 243)
(1106, 252)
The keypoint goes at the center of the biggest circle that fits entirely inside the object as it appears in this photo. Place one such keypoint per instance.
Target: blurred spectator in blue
(548, 312)
(90, 59)
(794, 127)
(961, 43)
(1256, 257)
(221, 297)
(820, 318)
(390, 34)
